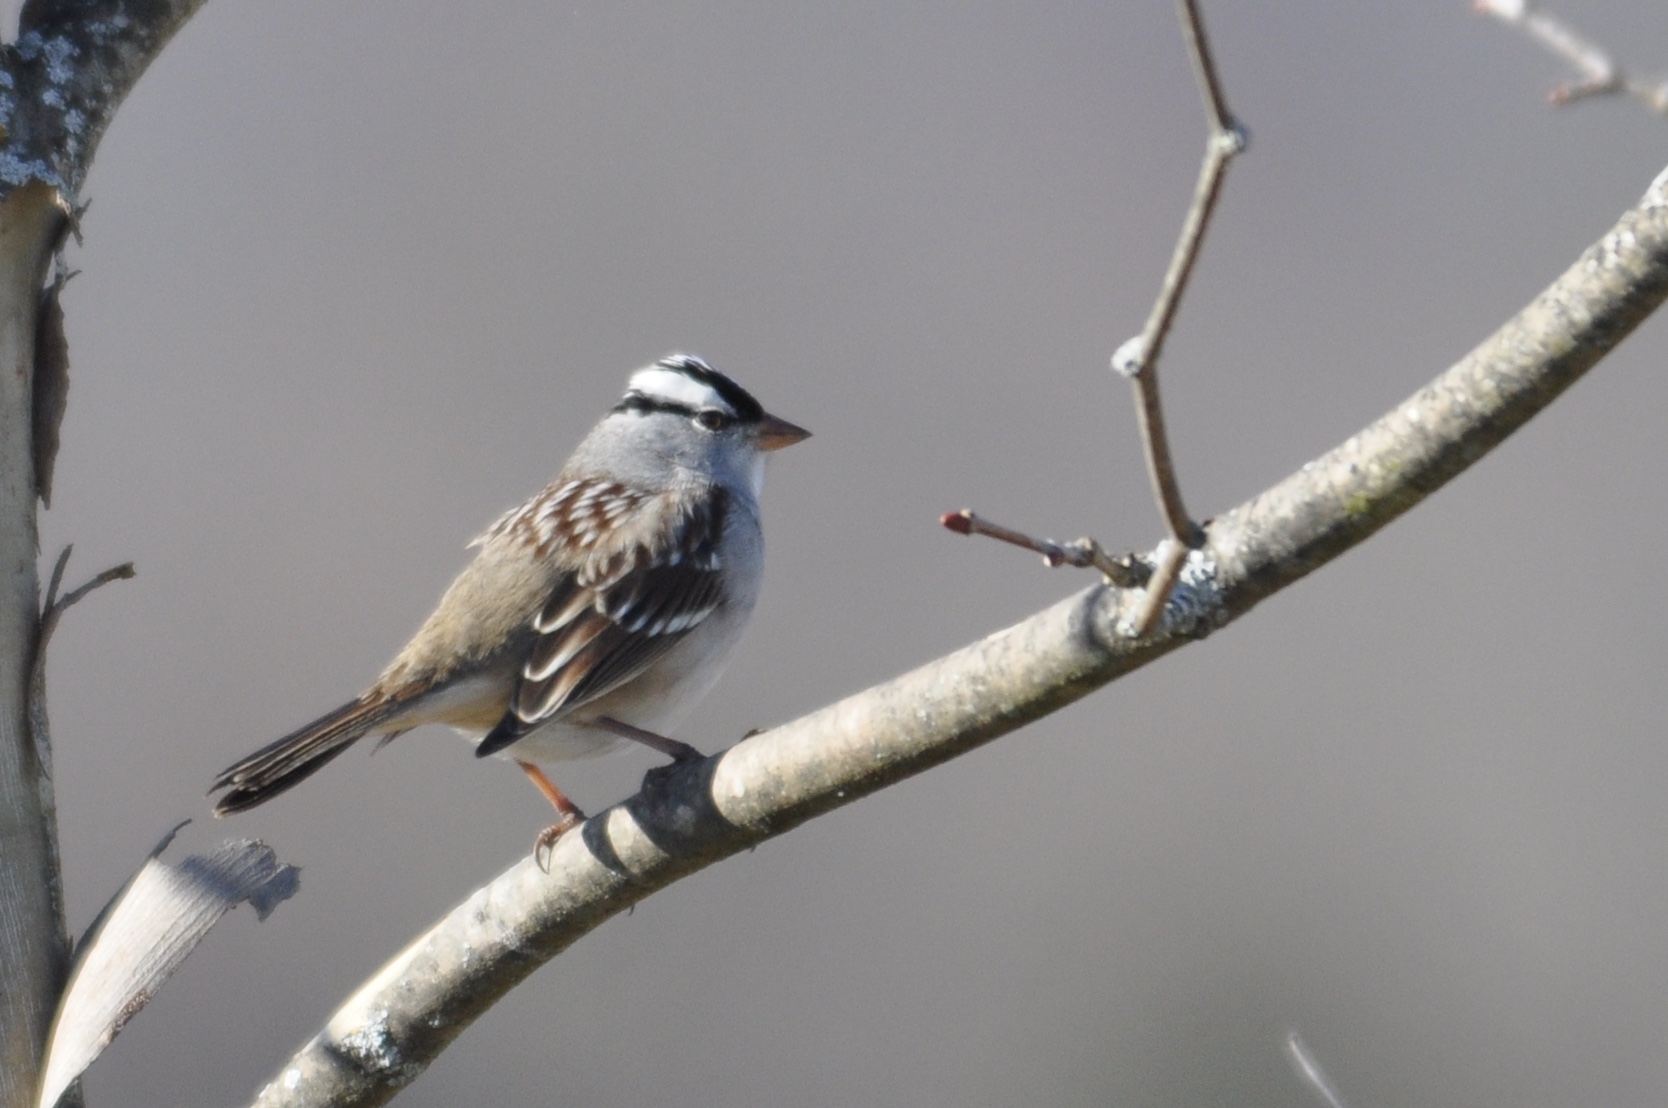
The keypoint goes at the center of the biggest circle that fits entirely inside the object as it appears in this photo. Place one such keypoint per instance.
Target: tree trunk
(33, 946)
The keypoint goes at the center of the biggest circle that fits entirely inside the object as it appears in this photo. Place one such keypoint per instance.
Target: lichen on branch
(61, 82)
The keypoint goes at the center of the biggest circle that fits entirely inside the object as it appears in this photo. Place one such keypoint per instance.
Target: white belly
(558, 741)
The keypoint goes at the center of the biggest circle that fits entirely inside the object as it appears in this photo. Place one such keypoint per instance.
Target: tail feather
(298, 755)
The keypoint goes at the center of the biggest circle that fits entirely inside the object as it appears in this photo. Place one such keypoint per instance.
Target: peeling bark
(60, 84)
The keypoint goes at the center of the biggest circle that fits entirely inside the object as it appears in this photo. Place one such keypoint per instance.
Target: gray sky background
(357, 276)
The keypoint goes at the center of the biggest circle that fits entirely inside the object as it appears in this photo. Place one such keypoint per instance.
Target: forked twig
(52, 610)
(1137, 360)
(1600, 74)
(54, 607)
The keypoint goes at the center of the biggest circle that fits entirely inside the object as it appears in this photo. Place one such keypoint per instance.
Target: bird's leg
(571, 816)
(672, 748)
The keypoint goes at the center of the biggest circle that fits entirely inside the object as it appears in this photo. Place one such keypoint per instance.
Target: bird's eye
(711, 420)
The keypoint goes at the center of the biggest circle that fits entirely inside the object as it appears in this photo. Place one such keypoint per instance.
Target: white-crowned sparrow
(599, 611)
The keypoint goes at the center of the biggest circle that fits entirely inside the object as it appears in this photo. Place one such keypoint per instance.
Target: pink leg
(571, 816)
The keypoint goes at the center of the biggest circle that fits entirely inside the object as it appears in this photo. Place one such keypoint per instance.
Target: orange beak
(773, 433)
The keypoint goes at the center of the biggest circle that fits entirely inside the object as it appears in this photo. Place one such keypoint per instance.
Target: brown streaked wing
(625, 605)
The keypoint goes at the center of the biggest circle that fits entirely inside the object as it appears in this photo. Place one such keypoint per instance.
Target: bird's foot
(545, 845)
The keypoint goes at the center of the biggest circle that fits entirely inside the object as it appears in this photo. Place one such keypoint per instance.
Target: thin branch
(1138, 358)
(1204, 66)
(54, 607)
(1226, 139)
(40, 748)
(123, 572)
(1600, 73)
(57, 578)
(1126, 572)
(52, 610)
(694, 814)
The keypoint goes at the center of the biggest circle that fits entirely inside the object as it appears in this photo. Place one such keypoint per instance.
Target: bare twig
(1600, 73)
(122, 572)
(1126, 572)
(52, 610)
(1226, 139)
(1138, 358)
(54, 607)
(697, 813)
(56, 579)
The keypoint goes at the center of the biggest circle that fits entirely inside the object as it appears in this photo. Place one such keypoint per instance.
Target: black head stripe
(739, 399)
(635, 401)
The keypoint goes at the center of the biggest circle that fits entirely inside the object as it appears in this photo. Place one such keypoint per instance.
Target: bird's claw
(545, 845)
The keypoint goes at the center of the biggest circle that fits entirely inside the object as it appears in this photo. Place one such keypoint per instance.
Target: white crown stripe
(675, 388)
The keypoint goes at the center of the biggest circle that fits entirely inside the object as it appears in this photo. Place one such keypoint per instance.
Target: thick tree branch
(690, 816)
(33, 945)
(73, 64)
(60, 84)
